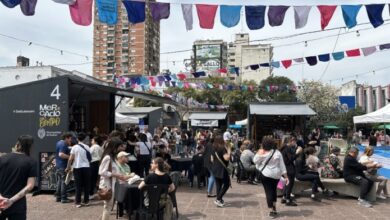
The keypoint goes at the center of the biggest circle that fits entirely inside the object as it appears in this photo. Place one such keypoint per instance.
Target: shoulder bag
(223, 164)
(266, 162)
(105, 193)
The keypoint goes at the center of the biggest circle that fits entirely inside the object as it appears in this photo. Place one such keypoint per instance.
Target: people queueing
(269, 162)
(79, 159)
(18, 172)
(353, 173)
(62, 156)
(290, 151)
(372, 173)
(220, 158)
(96, 153)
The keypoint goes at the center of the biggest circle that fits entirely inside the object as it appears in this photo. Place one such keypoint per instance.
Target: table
(181, 164)
(128, 195)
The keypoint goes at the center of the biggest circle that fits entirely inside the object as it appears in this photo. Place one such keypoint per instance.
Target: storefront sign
(204, 123)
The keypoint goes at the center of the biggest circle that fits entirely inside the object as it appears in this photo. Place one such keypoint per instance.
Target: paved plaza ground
(245, 201)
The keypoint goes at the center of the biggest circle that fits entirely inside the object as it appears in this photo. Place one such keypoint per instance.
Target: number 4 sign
(56, 92)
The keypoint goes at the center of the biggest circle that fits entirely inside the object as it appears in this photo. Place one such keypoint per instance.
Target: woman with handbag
(144, 149)
(109, 173)
(220, 161)
(269, 161)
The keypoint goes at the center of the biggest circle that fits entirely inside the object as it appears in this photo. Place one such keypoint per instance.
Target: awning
(331, 127)
(242, 122)
(139, 116)
(125, 119)
(280, 109)
(381, 115)
(208, 116)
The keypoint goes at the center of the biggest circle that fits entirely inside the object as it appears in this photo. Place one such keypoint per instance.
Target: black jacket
(289, 157)
(300, 164)
(352, 167)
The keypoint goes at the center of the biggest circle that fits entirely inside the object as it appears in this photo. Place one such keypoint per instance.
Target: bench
(337, 185)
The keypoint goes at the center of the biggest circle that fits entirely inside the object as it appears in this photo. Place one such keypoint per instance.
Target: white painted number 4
(56, 92)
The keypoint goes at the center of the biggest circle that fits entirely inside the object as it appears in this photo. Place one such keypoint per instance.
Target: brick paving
(245, 201)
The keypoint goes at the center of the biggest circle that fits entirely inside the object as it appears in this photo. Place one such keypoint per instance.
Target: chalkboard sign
(47, 171)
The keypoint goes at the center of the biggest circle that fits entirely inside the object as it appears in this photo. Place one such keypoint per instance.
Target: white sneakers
(219, 203)
(364, 203)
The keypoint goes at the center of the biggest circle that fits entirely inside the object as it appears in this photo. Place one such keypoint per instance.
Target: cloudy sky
(52, 26)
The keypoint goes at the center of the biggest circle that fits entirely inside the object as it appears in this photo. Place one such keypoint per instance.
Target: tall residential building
(209, 55)
(124, 48)
(242, 54)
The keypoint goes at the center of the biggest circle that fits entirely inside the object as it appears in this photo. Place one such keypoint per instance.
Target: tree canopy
(277, 89)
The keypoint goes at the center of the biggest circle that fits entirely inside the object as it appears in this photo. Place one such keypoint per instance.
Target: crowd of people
(97, 162)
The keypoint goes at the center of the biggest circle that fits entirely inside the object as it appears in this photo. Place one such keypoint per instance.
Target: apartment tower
(124, 48)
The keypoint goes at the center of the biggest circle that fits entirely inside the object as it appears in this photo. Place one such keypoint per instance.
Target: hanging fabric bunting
(255, 16)
(187, 15)
(159, 10)
(324, 57)
(254, 67)
(81, 12)
(223, 70)
(350, 13)
(367, 51)
(338, 55)
(264, 64)
(374, 12)
(230, 15)
(301, 14)
(299, 60)
(135, 11)
(384, 46)
(312, 60)
(206, 15)
(167, 78)
(181, 76)
(276, 14)
(286, 63)
(68, 2)
(353, 53)
(275, 64)
(327, 12)
(202, 73)
(107, 11)
(28, 7)
(10, 3)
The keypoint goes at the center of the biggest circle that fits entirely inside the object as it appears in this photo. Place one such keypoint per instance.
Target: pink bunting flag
(327, 12)
(206, 15)
(353, 53)
(286, 63)
(81, 12)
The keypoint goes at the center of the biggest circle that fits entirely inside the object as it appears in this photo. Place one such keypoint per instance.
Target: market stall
(208, 119)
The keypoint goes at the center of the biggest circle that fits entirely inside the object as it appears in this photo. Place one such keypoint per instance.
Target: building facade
(369, 98)
(124, 48)
(242, 54)
(209, 55)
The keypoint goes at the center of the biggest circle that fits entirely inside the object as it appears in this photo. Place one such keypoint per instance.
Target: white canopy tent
(125, 119)
(382, 115)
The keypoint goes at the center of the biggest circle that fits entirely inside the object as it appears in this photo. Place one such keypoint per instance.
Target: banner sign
(204, 123)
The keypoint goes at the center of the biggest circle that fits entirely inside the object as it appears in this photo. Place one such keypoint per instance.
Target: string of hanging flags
(230, 15)
(313, 60)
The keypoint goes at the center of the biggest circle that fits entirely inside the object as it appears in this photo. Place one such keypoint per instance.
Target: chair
(175, 176)
(152, 193)
(241, 173)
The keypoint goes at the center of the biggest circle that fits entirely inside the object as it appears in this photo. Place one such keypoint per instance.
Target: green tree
(146, 103)
(284, 93)
(345, 120)
(322, 98)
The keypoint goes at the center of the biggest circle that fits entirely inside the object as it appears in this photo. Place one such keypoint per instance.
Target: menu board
(47, 171)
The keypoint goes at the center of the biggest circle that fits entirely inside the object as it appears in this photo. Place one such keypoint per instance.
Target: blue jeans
(211, 182)
(178, 149)
(61, 187)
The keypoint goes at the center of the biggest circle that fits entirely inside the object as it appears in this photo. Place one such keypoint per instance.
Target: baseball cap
(121, 154)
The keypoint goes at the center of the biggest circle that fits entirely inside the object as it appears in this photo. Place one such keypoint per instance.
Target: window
(125, 50)
(111, 64)
(110, 45)
(383, 97)
(374, 100)
(365, 100)
(132, 51)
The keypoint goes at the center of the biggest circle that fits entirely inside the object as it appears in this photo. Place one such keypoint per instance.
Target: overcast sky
(52, 26)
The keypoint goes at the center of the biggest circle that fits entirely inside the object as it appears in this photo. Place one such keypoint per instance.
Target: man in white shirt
(80, 158)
